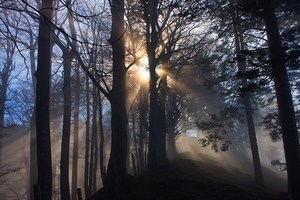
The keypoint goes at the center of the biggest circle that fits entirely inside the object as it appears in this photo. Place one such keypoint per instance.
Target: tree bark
(284, 101)
(42, 102)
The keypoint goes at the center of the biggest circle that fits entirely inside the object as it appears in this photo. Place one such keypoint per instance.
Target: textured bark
(284, 101)
(42, 102)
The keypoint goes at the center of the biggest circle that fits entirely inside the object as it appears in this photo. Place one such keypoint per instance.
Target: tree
(76, 132)
(284, 100)
(42, 102)
(157, 158)
(87, 140)
(116, 172)
(241, 62)
(65, 144)
(5, 76)
(170, 39)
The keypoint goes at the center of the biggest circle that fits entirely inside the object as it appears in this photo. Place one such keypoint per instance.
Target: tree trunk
(284, 101)
(94, 136)
(117, 171)
(76, 133)
(65, 143)
(101, 146)
(42, 102)
(143, 123)
(33, 153)
(157, 131)
(87, 141)
(239, 47)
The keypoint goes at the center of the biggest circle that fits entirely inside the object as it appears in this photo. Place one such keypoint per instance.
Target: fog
(14, 171)
(233, 166)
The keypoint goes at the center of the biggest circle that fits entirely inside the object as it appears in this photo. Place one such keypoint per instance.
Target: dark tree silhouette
(42, 103)
(284, 100)
(116, 172)
(241, 62)
(65, 143)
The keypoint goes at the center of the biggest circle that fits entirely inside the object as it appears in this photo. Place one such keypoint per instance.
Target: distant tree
(9, 45)
(93, 154)
(87, 140)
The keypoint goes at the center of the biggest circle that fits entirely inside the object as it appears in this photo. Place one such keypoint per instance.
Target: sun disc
(143, 75)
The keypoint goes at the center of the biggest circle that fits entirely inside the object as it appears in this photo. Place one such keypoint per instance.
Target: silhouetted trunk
(42, 102)
(87, 141)
(172, 118)
(94, 136)
(65, 143)
(284, 101)
(143, 123)
(239, 47)
(76, 132)
(136, 165)
(3, 90)
(171, 146)
(116, 171)
(94, 186)
(33, 153)
(157, 131)
(101, 146)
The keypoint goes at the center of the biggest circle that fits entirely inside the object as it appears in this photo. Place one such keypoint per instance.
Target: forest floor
(187, 181)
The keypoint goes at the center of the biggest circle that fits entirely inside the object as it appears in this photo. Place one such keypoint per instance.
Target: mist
(231, 167)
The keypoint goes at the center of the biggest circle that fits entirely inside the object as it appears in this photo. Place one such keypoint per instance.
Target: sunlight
(143, 71)
(143, 75)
